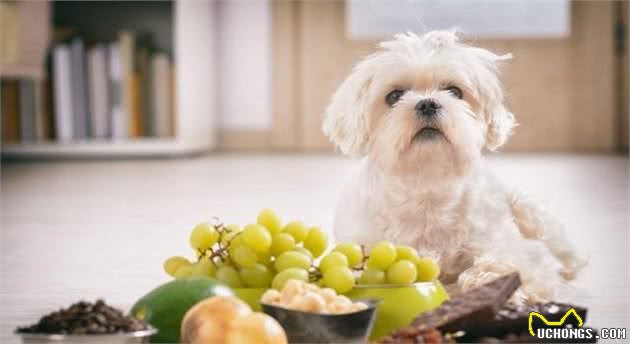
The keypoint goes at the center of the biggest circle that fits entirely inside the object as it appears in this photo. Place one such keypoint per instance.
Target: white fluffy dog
(421, 111)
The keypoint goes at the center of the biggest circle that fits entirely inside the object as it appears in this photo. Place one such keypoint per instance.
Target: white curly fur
(435, 192)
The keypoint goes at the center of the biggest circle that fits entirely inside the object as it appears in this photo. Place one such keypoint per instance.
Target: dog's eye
(394, 96)
(455, 91)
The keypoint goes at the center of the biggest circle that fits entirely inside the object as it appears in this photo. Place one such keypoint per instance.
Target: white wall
(196, 91)
(244, 54)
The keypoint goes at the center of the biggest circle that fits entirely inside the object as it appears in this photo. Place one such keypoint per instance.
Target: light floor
(86, 230)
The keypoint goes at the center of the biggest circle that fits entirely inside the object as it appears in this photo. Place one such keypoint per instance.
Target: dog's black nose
(427, 107)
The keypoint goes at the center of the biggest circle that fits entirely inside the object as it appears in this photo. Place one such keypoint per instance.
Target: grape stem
(221, 253)
(363, 261)
(314, 274)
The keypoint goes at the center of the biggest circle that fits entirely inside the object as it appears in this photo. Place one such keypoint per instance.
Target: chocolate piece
(471, 309)
(514, 319)
(85, 318)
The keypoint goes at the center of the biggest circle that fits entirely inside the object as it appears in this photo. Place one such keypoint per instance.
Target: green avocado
(164, 307)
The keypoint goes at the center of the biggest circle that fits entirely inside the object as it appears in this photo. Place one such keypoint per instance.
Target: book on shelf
(161, 71)
(80, 109)
(62, 93)
(45, 122)
(136, 125)
(118, 119)
(20, 122)
(27, 110)
(144, 50)
(126, 44)
(98, 91)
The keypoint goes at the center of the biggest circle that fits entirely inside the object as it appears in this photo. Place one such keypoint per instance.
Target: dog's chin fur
(423, 181)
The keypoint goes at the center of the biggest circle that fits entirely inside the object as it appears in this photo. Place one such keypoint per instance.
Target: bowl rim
(394, 286)
(366, 286)
(59, 337)
(372, 303)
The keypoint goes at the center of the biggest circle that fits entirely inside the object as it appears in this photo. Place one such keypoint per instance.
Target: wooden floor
(86, 230)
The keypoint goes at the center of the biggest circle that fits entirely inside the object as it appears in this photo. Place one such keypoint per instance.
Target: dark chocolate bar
(471, 309)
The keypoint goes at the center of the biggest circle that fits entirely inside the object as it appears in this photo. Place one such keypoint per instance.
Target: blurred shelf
(15, 71)
(183, 26)
(144, 147)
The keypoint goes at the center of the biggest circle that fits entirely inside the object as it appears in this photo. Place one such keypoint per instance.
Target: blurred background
(173, 78)
(125, 123)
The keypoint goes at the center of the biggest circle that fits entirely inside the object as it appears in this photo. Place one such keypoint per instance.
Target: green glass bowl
(251, 296)
(399, 304)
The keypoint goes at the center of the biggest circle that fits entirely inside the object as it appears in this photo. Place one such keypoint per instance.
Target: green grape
(292, 259)
(297, 229)
(402, 272)
(257, 237)
(203, 268)
(372, 276)
(303, 250)
(331, 260)
(339, 278)
(292, 273)
(173, 263)
(256, 276)
(282, 242)
(183, 272)
(382, 255)
(229, 276)
(269, 220)
(230, 233)
(203, 236)
(244, 256)
(352, 251)
(405, 252)
(428, 269)
(221, 263)
(316, 241)
(264, 258)
(236, 242)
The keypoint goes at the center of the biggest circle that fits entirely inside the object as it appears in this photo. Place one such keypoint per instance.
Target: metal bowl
(113, 338)
(305, 327)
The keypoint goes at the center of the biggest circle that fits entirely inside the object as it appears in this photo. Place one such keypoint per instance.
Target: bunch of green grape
(268, 254)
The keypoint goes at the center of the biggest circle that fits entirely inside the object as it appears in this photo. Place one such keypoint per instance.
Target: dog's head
(421, 105)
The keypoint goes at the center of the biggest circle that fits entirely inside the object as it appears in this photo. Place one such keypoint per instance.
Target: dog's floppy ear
(345, 119)
(500, 124)
(500, 121)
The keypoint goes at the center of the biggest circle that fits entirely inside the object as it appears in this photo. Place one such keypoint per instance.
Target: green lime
(164, 307)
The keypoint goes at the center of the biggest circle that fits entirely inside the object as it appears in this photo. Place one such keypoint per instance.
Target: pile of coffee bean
(85, 318)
